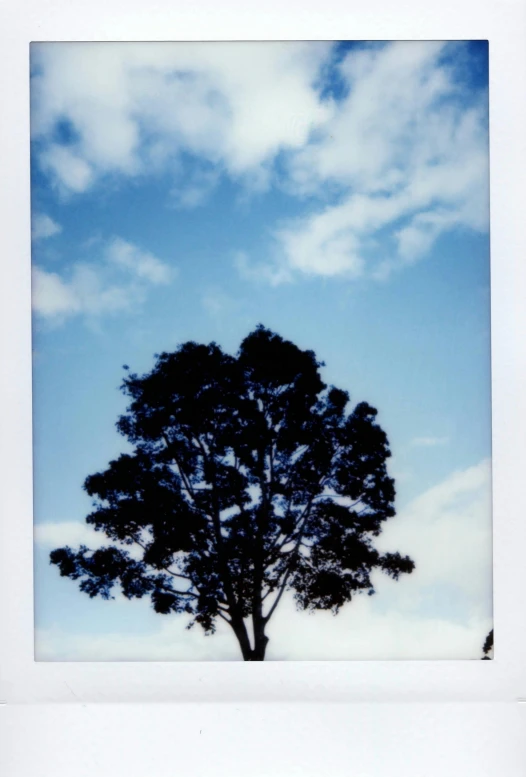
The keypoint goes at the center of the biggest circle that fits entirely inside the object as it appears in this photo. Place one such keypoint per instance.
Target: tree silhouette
(248, 479)
(487, 647)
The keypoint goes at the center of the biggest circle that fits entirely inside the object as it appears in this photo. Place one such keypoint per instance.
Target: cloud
(264, 271)
(429, 442)
(68, 168)
(323, 245)
(172, 641)
(42, 226)
(405, 151)
(448, 532)
(400, 158)
(441, 611)
(357, 635)
(216, 302)
(53, 535)
(73, 533)
(194, 188)
(133, 108)
(51, 296)
(361, 632)
(115, 282)
(140, 263)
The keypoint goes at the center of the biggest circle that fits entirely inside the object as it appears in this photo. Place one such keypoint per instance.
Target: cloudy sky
(337, 193)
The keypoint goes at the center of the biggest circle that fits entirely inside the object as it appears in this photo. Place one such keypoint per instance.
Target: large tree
(249, 478)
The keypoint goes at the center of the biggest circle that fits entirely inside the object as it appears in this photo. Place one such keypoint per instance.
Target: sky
(337, 193)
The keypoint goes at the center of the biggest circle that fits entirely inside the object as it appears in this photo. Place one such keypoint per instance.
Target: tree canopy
(249, 477)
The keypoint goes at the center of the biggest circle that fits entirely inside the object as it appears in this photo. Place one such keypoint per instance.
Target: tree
(248, 479)
(487, 648)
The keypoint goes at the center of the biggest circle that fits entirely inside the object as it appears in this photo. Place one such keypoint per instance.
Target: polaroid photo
(279, 252)
(263, 413)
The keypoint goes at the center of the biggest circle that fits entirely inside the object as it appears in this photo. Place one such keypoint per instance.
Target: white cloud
(43, 226)
(446, 530)
(408, 151)
(133, 106)
(355, 634)
(53, 535)
(361, 632)
(170, 642)
(51, 296)
(429, 442)
(269, 273)
(193, 189)
(137, 262)
(216, 302)
(442, 610)
(392, 93)
(404, 151)
(69, 169)
(324, 245)
(116, 282)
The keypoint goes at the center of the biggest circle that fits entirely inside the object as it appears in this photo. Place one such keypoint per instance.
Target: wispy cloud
(217, 302)
(398, 160)
(406, 152)
(43, 226)
(273, 274)
(447, 530)
(68, 168)
(116, 281)
(137, 262)
(360, 633)
(74, 533)
(429, 442)
(193, 190)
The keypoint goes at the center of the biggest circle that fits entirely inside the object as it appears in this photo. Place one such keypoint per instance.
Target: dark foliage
(248, 478)
(488, 647)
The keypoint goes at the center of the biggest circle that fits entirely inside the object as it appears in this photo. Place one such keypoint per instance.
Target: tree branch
(176, 593)
(288, 570)
(163, 566)
(184, 478)
(216, 523)
(278, 597)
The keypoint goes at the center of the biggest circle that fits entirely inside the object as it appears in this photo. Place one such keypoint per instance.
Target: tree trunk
(258, 621)
(260, 642)
(249, 653)
(240, 630)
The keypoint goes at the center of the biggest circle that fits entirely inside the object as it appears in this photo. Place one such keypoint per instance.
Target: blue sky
(338, 194)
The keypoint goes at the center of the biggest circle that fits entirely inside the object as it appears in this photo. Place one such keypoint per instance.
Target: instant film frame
(182, 193)
(480, 727)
